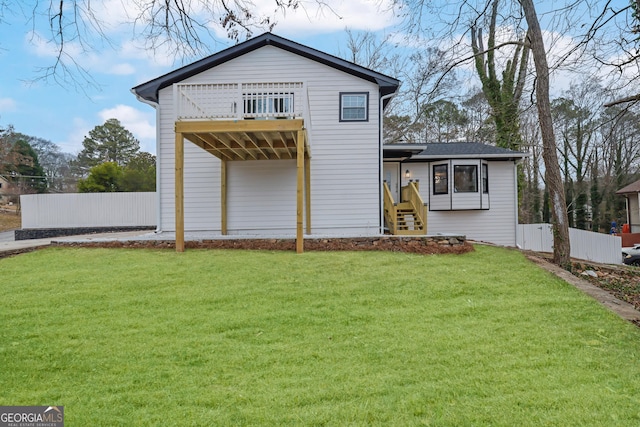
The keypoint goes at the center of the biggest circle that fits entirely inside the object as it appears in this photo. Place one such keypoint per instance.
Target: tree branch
(634, 98)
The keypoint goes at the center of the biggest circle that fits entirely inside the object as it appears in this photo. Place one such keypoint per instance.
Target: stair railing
(389, 209)
(412, 195)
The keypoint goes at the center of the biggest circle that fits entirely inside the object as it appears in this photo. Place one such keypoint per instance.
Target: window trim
(446, 173)
(456, 169)
(485, 178)
(366, 107)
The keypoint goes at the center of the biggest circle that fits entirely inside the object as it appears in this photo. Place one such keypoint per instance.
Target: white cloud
(140, 123)
(133, 50)
(45, 48)
(73, 143)
(122, 69)
(7, 104)
(332, 15)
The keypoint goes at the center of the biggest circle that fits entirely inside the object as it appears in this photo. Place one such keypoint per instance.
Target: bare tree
(181, 28)
(479, 127)
(618, 157)
(463, 16)
(365, 48)
(531, 211)
(575, 119)
(503, 94)
(561, 243)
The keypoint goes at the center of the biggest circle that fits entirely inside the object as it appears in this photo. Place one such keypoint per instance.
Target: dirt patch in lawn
(9, 218)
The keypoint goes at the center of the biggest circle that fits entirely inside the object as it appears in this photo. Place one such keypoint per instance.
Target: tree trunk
(561, 244)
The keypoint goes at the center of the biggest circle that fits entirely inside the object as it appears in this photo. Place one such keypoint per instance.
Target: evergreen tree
(140, 173)
(23, 169)
(103, 178)
(109, 142)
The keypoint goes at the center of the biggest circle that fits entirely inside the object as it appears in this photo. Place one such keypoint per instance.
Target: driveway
(7, 236)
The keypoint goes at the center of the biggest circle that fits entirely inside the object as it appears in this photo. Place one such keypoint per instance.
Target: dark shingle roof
(631, 188)
(149, 90)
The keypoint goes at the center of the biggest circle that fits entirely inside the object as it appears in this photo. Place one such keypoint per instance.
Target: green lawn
(151, 337)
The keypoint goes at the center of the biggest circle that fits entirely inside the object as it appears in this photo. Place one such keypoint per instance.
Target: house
(631, 230)
(273, 138)
(468, 188)
(5, 190)
(631, 193)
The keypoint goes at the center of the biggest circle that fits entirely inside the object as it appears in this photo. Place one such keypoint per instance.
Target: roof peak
(149, 91)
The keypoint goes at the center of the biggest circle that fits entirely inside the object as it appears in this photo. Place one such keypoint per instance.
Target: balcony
(241, 101)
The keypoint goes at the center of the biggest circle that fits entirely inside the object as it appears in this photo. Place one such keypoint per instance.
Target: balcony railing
(204, 101)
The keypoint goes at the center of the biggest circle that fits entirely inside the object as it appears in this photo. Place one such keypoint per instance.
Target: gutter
(506, 156)
(156, 107)
(381, 104)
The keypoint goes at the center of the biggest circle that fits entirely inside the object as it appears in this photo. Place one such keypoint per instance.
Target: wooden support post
(307, 193)
(223, 197)
(299, 193)
(179, 190)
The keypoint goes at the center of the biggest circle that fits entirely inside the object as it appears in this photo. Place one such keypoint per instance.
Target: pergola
(241, 140)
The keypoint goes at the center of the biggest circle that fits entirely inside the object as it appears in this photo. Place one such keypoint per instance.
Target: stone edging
(414, 244)
(621, 308)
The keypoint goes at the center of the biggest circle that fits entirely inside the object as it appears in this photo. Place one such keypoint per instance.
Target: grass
(145, 338)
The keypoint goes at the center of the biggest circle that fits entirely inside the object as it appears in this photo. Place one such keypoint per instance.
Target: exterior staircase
(407, 220)
(408, 217)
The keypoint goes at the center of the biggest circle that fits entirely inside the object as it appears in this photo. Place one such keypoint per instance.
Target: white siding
(75, 210)
(633, 205)
(495, 225)
(344, 163)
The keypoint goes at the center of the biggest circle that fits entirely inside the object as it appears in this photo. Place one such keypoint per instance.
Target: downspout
(515, 191)
(158, 180)
(627, 203)
(380, 154)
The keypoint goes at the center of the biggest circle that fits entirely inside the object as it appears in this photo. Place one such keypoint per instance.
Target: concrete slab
(11, 247)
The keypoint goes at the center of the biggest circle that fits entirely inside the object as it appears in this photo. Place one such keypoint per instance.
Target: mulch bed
(392, 245)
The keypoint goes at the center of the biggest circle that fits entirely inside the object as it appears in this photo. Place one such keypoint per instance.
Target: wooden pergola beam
(229, 126)
(179, 191)
(207, 145)
(307, 192)
(223, 197)
(240, 140)
(299, 193)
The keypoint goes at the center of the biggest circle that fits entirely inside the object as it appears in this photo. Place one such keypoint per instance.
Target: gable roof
(456, 150)
(149, 90)
(634, 187)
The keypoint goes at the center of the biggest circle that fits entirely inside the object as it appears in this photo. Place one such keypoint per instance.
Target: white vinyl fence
(76, 210)
(585, 245)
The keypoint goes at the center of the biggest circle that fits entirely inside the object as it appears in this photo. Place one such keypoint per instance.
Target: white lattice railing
(204, 101)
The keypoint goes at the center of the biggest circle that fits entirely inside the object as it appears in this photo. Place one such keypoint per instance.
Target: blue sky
(65, 115)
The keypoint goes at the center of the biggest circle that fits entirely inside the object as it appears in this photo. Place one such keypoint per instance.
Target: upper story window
(268, 104)
(465, 178)
(353, 106)
(440, 179)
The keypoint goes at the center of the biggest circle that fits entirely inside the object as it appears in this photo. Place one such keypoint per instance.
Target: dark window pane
(440, 179)
(465, 178)
(485, 178)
